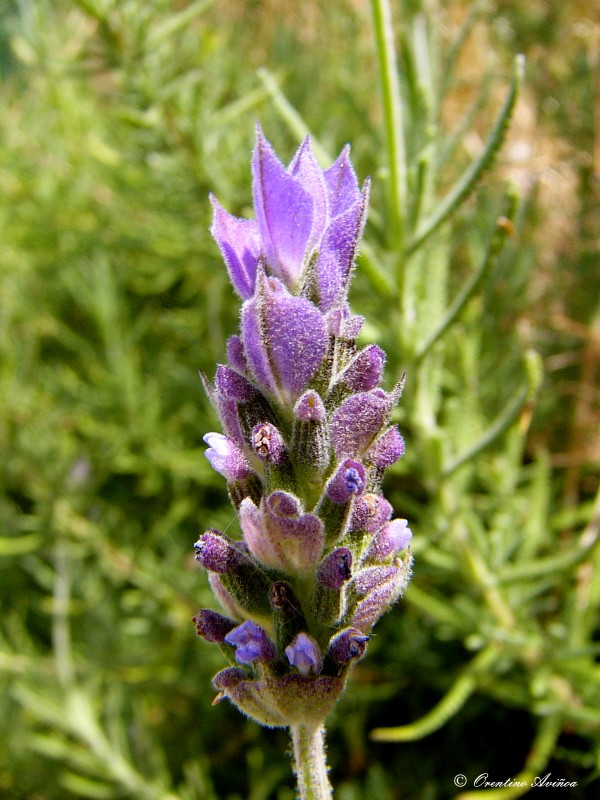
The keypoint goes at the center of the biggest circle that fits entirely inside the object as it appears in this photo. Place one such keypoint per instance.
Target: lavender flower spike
(307, 437)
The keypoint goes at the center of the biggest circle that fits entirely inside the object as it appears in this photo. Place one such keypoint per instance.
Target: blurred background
(117, 118)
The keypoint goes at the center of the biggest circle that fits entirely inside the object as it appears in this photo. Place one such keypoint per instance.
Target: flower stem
(310, 764)
(392, 111)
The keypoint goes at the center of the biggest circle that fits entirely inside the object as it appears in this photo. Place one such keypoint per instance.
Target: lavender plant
(307, 439)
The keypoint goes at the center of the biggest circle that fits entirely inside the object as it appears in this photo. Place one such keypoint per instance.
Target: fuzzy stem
(310, 764)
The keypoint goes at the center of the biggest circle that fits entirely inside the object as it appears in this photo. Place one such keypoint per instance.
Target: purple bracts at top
(300, 210)
(307, 437)
(239, 241)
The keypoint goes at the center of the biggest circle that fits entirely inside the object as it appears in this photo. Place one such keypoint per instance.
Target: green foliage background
(118, 117)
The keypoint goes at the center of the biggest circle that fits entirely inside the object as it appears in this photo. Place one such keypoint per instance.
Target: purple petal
(358, 421)
(226, 458)
(256, 346)
(239, 242)
(284, 339)
(391, 538)
(342, 185)
(251, 642)
(304, 653)
(306, 169)
(337, 253)
(284, 213)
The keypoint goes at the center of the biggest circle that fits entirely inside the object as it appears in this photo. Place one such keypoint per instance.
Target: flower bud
(364, 372)
(239, 576)
(335, 569)
(216, 552)
(213, 626)
(335, 508)
(370, 511)
(347, 645)
(379, 588)
(386, 450)
(328, 600)
(358, 421)
(310, 449)
(342, 324)
(268, 444)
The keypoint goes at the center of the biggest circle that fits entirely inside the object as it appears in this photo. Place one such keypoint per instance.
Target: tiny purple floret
(348, 481)
(226, 457)
(251, 642)
(350, 643)
(304, 653)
